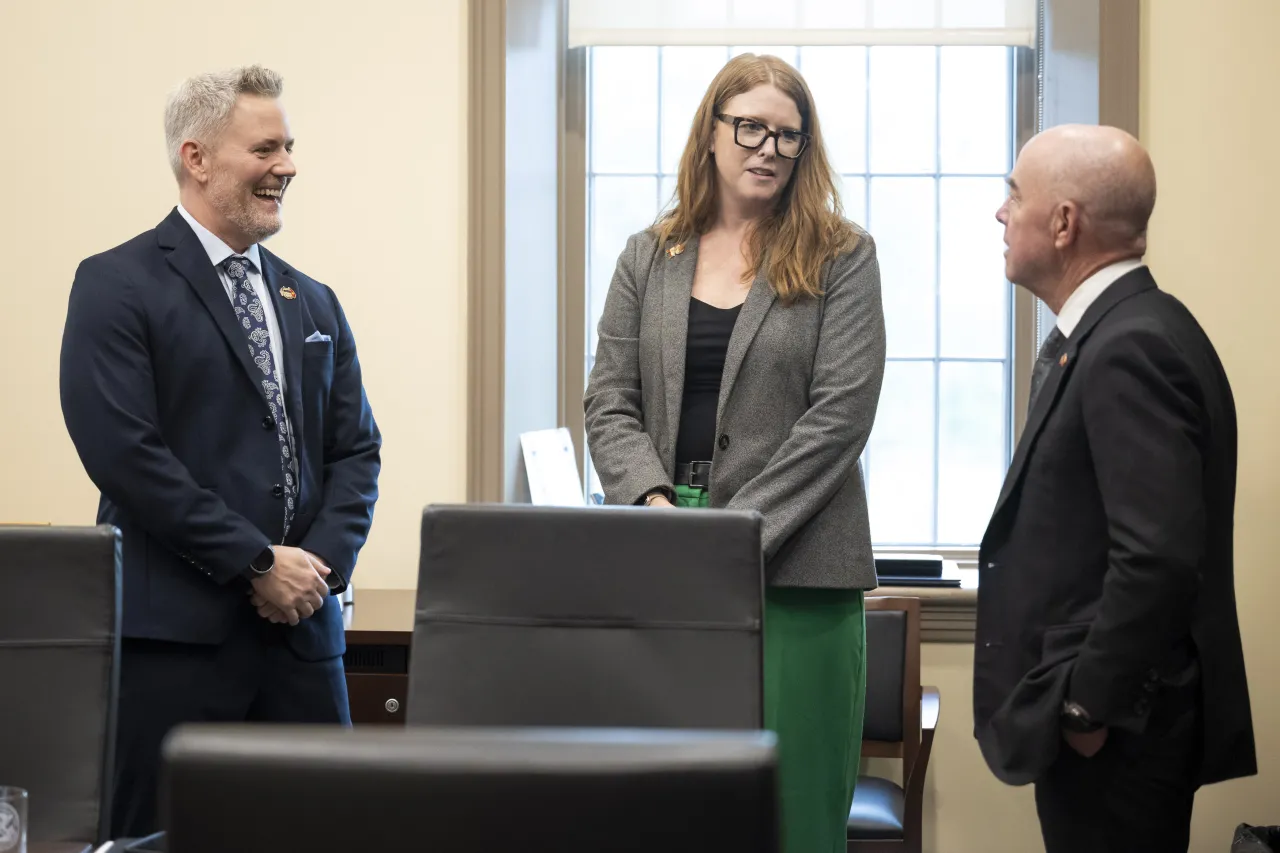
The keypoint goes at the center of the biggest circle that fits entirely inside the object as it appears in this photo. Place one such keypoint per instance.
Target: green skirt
(815, 667)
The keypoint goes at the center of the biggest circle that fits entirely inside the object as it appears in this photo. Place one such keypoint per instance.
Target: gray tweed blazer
(797, 402)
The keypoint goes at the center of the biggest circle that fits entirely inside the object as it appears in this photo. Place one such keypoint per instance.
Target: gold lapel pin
(287, 293)
(1062, 362)
(675, 250)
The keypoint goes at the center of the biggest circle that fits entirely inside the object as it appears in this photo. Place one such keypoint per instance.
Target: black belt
(695, 474)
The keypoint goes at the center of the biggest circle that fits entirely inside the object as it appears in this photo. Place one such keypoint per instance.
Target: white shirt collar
(217, 250)
(1087, 293)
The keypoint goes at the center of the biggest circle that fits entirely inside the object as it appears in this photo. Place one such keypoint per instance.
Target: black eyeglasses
(749, 133)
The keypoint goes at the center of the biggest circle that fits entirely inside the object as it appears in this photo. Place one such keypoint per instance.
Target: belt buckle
(703, 469)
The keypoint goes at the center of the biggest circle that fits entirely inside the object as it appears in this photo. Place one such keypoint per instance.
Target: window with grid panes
(922, 139)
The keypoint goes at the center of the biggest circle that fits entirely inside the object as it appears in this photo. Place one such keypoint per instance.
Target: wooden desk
(379, 625)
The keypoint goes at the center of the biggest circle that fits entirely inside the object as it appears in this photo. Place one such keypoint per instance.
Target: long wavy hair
(806, 227)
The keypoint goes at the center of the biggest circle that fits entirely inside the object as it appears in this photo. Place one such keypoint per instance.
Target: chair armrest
(930, 708)
(913, 776)
(930, 704)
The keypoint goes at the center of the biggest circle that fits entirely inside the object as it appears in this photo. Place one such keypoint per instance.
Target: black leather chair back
(886, 668)
(605, 616)
(321, 790)
(59, 669)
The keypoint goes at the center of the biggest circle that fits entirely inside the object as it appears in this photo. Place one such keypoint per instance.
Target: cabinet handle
(392, 706)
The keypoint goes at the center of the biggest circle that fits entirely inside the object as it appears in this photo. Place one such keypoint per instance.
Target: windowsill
(947, 614)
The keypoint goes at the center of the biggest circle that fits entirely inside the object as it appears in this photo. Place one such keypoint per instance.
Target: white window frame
(576, 222)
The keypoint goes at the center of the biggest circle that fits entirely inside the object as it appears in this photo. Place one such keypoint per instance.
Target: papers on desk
(916, 570)
(551, 468)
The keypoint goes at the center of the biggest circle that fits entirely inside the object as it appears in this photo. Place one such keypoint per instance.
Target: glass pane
(787, 53)
(624, 109)
(973, 292)
(971, 448)
(903, 87)
(837, 76)
(667, 192)
(619, 207)
(853, 195)
(686, 74)
(974, 110)
(899, 460)
(903, 221)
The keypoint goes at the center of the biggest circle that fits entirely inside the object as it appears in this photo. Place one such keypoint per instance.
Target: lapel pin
(287, 293)
(1062, 362)
(675, 250)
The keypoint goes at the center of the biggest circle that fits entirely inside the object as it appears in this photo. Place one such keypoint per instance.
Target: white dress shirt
(218, 252)
(1088, 292)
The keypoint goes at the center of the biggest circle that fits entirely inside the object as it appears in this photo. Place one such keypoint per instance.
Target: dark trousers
(1134, 795)
(252, 677)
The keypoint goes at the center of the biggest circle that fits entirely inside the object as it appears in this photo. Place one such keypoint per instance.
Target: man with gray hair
(1108, 668)
(214, 396)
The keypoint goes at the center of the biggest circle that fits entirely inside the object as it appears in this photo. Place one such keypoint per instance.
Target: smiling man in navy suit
(214, 396)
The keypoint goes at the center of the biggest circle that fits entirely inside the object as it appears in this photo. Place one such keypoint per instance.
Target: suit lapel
(1130, 284)
(677, 290)
(1035, 421)
(189, 259)
(759, 300)
(289, 317)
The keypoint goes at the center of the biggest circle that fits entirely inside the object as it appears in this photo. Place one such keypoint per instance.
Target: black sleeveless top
(705, 349)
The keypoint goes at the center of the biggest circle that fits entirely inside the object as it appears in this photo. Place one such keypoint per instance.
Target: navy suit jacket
(160, 398)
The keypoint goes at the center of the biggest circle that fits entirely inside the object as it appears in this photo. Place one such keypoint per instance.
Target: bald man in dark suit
(1109, 670)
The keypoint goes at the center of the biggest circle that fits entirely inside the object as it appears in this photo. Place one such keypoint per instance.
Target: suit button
(1153, 676)
(1142, 706)
(268, 422)
(724, 442)
(277, 491)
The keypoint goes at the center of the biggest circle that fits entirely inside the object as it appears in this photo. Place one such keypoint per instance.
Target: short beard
(227, 198)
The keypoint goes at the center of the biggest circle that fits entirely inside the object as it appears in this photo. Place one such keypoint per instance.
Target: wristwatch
(264, 562)
(1076, 719)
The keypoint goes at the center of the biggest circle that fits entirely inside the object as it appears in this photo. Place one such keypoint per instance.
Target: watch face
(1076, 719)
(264, 561)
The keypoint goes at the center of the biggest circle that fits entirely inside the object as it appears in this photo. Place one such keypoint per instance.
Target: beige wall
(376, 94)
(1213, 246)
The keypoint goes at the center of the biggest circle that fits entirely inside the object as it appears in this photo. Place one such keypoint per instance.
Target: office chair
(901, 718)
(275, 789)
(604, 616)
(59, 671)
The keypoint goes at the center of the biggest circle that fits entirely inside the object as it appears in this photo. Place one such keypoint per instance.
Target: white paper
(551, 469)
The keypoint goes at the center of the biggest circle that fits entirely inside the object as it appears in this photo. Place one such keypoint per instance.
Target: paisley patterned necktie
(252, 317)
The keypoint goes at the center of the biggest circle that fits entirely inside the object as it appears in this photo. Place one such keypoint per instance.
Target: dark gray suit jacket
(1107, 571)
(798, 398)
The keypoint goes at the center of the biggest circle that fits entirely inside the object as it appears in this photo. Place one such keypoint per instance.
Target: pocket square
(317, 337)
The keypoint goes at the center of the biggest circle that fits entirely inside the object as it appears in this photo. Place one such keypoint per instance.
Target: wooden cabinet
(379, 624)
